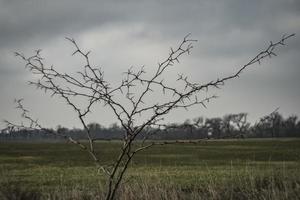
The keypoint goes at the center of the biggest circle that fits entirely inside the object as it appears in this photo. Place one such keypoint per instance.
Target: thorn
(87, 53)
(75, 52)
(274, 54)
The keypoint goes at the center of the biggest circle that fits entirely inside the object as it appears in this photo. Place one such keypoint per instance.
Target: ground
(215, 169)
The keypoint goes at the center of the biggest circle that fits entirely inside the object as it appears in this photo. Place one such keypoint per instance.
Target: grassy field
(220, 169)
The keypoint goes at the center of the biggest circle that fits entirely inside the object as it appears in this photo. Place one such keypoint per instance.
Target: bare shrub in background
(136, 86)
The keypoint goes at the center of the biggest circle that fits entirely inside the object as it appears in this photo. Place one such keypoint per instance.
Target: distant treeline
(228, 126)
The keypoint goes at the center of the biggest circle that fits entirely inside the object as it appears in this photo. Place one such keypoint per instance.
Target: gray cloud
(128, 32)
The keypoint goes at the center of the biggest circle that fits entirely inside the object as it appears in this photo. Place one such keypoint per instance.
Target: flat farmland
(213, 169)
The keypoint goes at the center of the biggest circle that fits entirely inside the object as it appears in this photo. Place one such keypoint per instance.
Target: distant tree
(215, 126)
(270, 124)
(240, 121)
(129, 101)
(298, 129)
(94, 126)
(62, 130)
(95, 129)
(276, 122)
(290, 125)
(199, 124)
(228, 128)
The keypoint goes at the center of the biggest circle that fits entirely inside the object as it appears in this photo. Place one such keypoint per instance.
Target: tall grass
(241, 169)
(236, 184)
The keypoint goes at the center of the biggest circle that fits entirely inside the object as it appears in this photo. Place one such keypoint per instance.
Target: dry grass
(275, 186)
(233, 170)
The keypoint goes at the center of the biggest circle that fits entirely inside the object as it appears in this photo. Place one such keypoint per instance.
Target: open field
(220, 169)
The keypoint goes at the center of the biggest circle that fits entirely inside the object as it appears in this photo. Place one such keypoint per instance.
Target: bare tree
(272, 122)
(90, 85)
(227, 125)
(240, 121)
(215, 125)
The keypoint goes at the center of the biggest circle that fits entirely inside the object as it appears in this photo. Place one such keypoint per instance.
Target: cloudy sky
(125, 33)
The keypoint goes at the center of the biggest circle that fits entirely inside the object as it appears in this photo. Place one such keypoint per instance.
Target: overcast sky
(125, 33)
